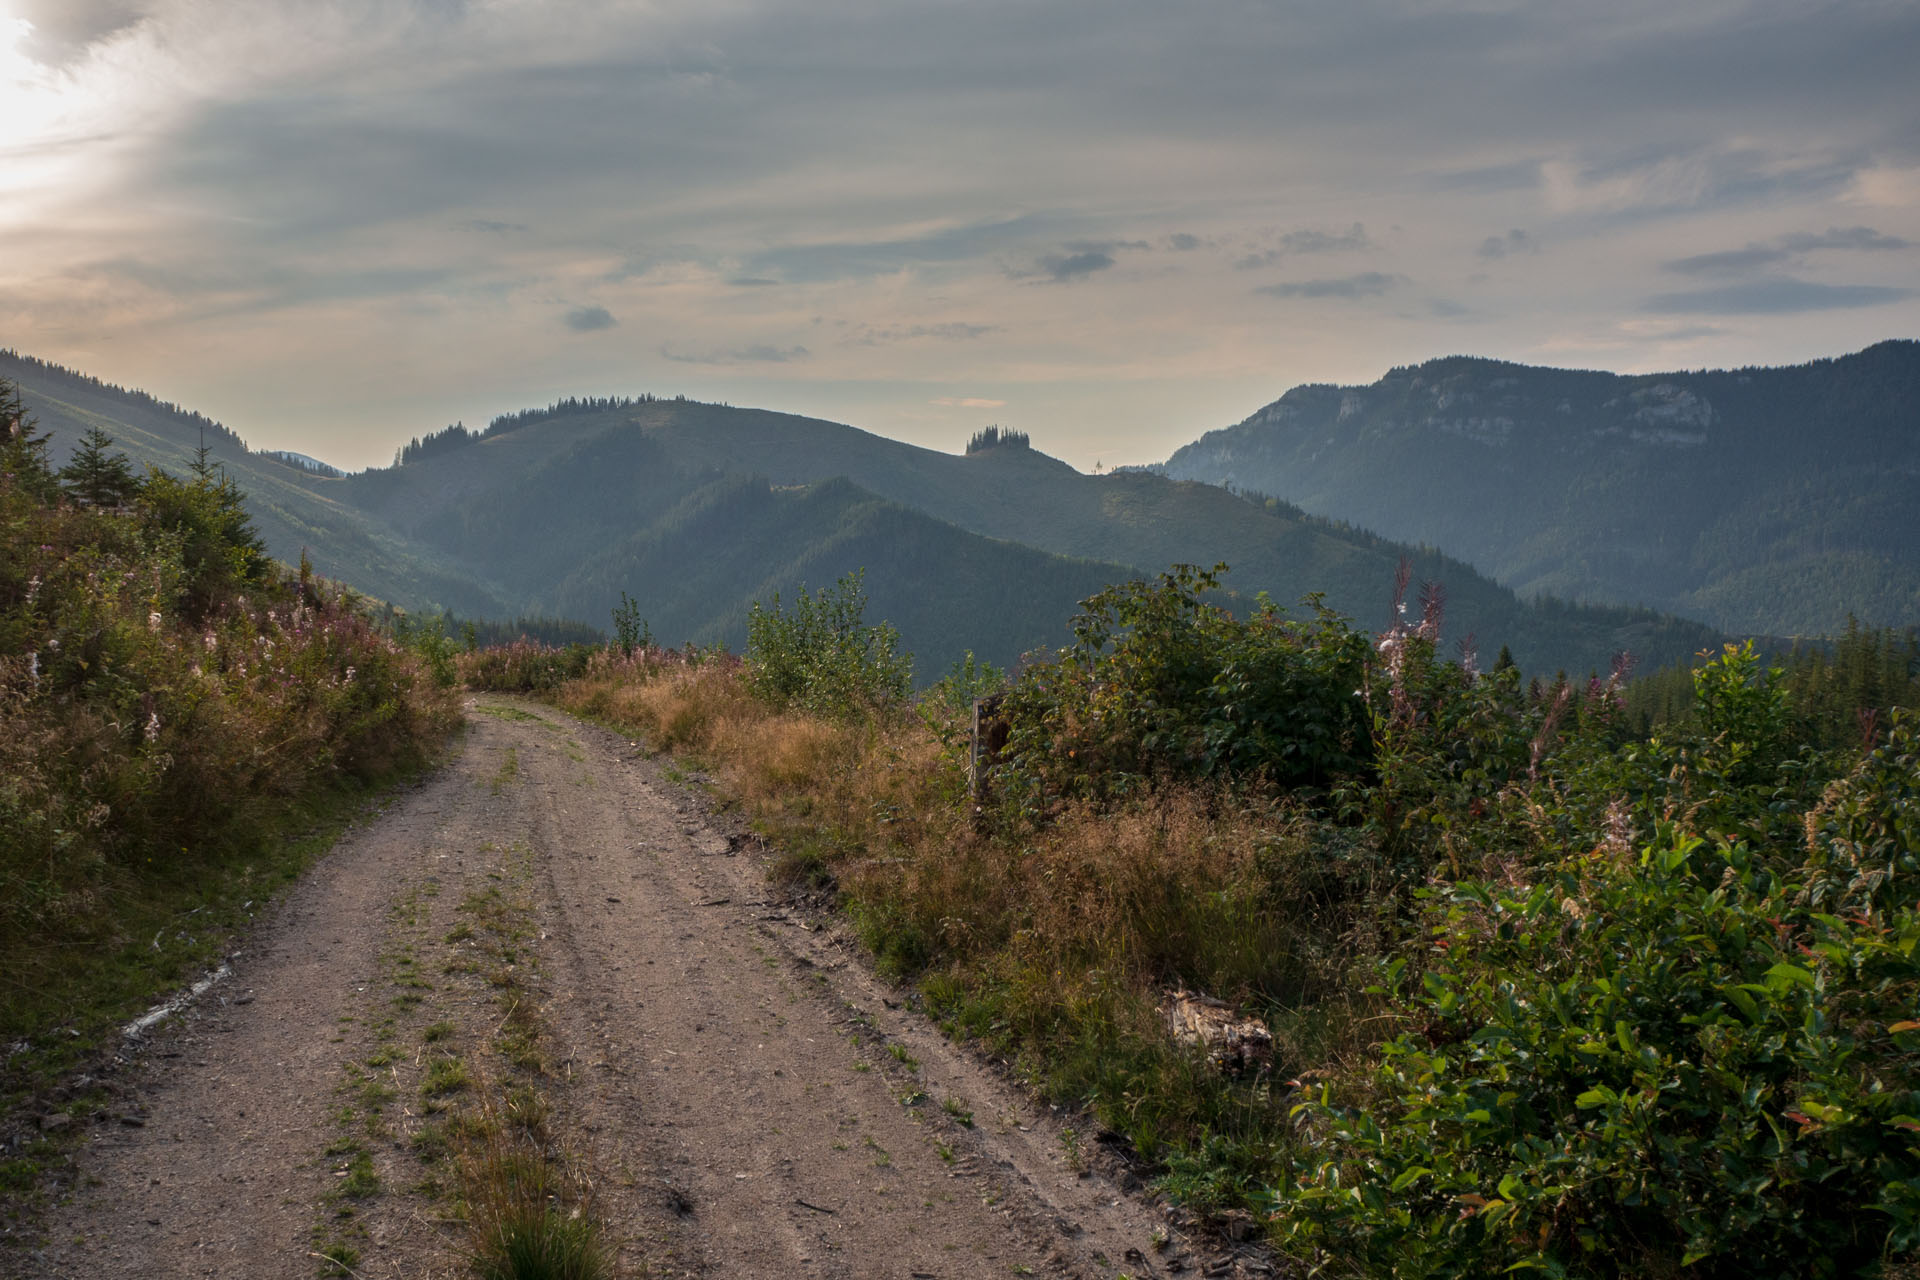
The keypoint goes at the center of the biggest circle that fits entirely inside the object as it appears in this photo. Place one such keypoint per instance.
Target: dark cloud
(1493, 248)
(1446, 309)
(1778, 296)
(1181, 242)
(1730, 262)
(1367, 284)
(493, 227)
(1076, 261)
(590, 319)
(1073, 266)
(757, 353)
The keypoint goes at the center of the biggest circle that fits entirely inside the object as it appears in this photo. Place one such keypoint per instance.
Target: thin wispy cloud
(1781, 296)
(1146, 219)
(755, 353)
(1366, 284)
(1786, 248)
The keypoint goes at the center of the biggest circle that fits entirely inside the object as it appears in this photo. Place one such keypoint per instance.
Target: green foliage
(167, 697)
(1701, 1056)
(947, 707)
(1162, 683)
(819, 654)
(629, 628)
(525, 666)
(95, 476)
(23, 447)
(219, 551)
(1839, 694)
(432, 639)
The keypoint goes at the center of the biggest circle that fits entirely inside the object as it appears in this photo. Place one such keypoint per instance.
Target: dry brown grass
(1087, 920)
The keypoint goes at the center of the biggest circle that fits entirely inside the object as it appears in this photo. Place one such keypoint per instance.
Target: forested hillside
(697, 509)
(588, 477)
(1769, 500)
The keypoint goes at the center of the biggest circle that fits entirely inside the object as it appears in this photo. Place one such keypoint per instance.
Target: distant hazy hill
(698, 510)
(567, 507)
(1757, 499)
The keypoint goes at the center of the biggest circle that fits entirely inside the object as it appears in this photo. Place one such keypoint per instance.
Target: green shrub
(819, 654)
(1160, 682)
(1701, 1057)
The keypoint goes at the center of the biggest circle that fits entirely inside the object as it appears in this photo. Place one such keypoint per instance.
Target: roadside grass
(529, 1213)
(1053, 946)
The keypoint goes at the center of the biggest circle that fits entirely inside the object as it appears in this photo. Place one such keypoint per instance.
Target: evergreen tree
(23, 447)
(96, 477)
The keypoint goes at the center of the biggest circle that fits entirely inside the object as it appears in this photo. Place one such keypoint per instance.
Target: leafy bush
(166, 694)
(524, 666)
(819, 655)
(1160, 683)
(1699, 1057)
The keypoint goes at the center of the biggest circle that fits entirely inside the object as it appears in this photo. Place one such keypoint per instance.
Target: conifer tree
(23, 447)
(96, 477)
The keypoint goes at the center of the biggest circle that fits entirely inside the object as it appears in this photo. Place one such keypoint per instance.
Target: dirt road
(553, 915)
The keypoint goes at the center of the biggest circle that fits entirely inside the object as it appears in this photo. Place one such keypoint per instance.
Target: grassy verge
(1545, 993)
(1054, 947)
(184, 726)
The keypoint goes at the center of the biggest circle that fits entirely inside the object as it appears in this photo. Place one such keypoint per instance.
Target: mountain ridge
(1754, 499)
(698, 510)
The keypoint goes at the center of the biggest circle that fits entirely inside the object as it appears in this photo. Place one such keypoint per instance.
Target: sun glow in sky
(336, 224)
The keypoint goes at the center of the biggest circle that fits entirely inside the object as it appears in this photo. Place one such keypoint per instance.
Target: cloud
(1367, 284)
(1514, 175)
(1494, 248)
(1354, 237)
(493, 226)
(1062, 267)
(752, 282)
(815, 262)
(1446, 309)
(1728, 262)
(590, 319)
(967, 402)
(757, 353)
(64, 28)
(949, 331)
(1181, 242)
(1306, 241)
(1781, 295)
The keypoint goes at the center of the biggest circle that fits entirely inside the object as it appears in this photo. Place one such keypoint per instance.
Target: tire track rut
(725, 1069)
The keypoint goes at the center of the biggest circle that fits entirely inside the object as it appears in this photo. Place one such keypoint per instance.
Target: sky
(338, 224)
